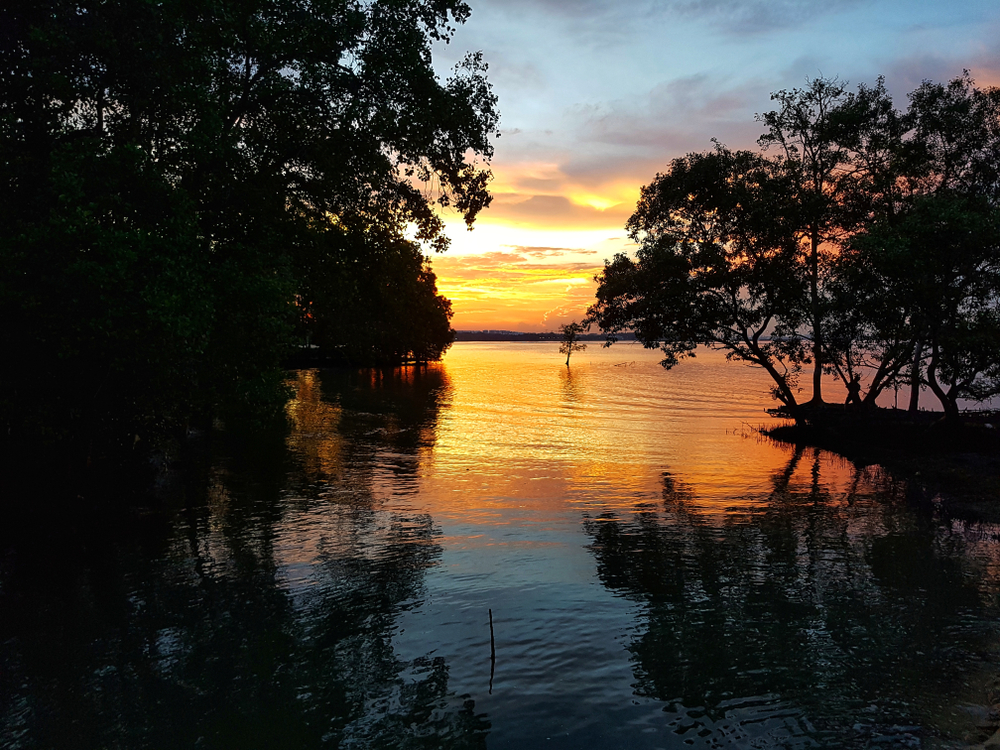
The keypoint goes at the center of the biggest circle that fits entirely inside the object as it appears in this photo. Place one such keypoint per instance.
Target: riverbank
(948, 459)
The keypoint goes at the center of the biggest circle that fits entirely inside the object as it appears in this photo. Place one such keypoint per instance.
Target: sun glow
(530, 261)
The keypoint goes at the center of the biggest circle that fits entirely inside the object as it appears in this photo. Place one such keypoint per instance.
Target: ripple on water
(659, 576)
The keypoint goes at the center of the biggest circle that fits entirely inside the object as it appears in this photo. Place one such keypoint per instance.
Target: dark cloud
(732, 16)
(698, 97)
(636, 138)
(509, 69)
(906, 74)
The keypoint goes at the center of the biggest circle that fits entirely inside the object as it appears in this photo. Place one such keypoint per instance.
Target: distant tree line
(860, 241)
(189, 189)
(529, 336)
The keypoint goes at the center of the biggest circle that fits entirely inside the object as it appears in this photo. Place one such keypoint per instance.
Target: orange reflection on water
(358, 438)
(523, 431)
(314, 436)
(507, 435)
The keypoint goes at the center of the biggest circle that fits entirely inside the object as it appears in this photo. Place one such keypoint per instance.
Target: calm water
(659, 577)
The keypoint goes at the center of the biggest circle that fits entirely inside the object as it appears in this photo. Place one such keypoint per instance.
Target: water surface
(660, 576)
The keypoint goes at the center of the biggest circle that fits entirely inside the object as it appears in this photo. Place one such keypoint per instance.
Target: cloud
(556, 212)
(678, 115)
(757, 16)
(906, 74)
(700, 96)
(742, 17)
(494, 259)
(551, 252)
(560, 315)
(489, 266)
(520, 289)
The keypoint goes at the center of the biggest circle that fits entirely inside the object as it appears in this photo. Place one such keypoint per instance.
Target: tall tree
(168, 168)
(923, 264)
(930, 282)
(803, 130)
(866, 247)
(717, 265)
(870, 132)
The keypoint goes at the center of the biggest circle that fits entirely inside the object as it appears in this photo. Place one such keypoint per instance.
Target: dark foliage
(171, 174)
(373, 299)
(867, 245)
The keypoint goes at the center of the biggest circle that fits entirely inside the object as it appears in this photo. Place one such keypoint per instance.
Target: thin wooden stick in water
(493, 652)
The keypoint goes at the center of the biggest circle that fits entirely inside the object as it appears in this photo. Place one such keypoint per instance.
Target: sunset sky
(596, 96)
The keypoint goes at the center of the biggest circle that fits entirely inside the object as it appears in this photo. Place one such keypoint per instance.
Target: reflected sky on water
(659, 576)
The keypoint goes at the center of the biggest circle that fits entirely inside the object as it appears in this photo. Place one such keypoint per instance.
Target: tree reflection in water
(260, 611)
(815, 614)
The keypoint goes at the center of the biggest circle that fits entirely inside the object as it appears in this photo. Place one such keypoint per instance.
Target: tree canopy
(860, 241)
(177, 177)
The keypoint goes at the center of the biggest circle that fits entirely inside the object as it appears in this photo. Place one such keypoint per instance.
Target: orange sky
(529, 263)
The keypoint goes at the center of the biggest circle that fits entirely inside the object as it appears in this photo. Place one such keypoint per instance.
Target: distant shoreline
(516, 336)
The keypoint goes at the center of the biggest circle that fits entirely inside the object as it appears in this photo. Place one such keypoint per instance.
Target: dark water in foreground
(659, 577)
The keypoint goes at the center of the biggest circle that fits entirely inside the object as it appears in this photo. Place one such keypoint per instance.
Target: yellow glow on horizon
(508, 290)
(530, 260)
(594, 201)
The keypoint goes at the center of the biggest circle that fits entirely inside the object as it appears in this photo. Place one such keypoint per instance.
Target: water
(659, 576)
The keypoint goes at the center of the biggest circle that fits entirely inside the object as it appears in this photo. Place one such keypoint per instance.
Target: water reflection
(330, 584)
(350, 421)
(572, 390)
(823, 612)
(259, 613)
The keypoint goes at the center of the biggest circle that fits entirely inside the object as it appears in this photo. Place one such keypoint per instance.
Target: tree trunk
(918, 350)
(785, 394)
(949, 400)
(817, 397)
(879, 381)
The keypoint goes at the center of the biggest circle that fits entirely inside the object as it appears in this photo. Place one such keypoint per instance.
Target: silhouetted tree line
(192, 188)
(529, 336)
(860, 241)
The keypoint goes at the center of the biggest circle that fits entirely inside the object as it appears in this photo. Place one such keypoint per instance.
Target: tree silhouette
(866, 244)
(570, 342)
(171, 172)
(715, 266)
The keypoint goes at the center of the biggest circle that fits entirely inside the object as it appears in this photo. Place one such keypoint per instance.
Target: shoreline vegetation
(192, 189)
(955, 461)
(859, 241)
